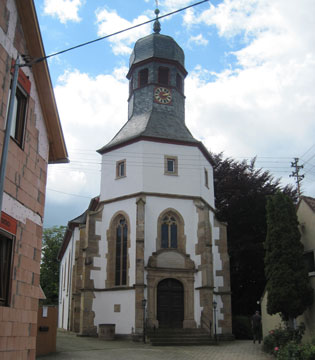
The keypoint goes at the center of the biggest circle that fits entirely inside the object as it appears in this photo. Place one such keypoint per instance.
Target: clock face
(162, 95)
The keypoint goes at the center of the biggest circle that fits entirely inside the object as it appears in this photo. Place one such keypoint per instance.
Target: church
(149, 252)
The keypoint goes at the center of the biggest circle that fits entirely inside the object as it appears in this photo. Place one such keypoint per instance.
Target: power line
(115, 33)
(308, 150)
(65, 193)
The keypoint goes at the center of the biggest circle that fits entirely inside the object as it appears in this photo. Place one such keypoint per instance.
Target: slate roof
(310, 201)
(80, 220)
(158, 46)
(153, 124)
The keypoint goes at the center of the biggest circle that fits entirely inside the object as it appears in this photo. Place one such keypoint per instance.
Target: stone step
(180, 337)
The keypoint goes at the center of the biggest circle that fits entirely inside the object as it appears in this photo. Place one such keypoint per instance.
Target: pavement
(72, 347)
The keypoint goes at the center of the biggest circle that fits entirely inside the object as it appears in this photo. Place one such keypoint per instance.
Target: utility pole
(296, 174)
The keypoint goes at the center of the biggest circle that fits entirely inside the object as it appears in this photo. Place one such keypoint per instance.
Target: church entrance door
(170, 303)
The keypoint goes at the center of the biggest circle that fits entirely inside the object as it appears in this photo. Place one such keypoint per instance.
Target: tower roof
(151, 125)
(157, 124)
(157, 46)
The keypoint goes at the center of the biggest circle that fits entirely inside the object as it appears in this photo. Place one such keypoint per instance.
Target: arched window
(163, 76)
(118, 242)
(169, 232)
(143, 77)
(121, 252)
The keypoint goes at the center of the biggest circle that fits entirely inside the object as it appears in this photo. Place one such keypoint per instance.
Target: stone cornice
(165, 195)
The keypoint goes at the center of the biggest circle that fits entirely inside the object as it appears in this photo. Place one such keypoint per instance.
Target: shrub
(278, 338)
(242, 328)
(296, 351)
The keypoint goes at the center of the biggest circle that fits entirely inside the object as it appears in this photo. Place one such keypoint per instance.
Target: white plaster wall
(65, 291)
(218, 315)
(18, 211)
(145, 171)
(306, 218)
(103, 306)
(132, 183)
(63, 311)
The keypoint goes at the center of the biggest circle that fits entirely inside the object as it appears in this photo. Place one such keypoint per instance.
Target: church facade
(152, 233)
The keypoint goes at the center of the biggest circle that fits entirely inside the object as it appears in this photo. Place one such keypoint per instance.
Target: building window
(179, 82)
(118, 243)
(308, 258)
(163, 77)
(143, 77)
(170, 165)
(18, 117)
(169, 232)
(206, 178)
(6, 259)
(121, 252)
(120, 169)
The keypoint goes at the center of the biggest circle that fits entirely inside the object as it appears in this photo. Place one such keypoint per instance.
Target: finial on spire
(157, 25)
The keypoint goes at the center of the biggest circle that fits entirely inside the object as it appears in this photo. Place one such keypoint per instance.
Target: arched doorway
(170, 303)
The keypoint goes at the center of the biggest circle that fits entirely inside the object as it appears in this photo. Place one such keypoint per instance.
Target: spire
(157, 25)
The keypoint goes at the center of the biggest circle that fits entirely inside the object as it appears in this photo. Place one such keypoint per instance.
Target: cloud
(198, 40)
(91, 109)
(64, 10)
(171, 5)
(271, 90)
(262, 106)
(109, 22)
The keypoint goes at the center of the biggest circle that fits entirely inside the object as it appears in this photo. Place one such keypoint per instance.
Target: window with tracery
(169, 232)
(121, 252)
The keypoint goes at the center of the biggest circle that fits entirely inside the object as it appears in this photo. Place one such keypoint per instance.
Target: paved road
(71, 347)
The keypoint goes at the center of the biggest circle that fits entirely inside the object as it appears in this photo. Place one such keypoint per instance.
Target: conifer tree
(288, 286)
(241, 191)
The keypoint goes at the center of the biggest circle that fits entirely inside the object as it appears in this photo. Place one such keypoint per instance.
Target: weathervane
(157, 25)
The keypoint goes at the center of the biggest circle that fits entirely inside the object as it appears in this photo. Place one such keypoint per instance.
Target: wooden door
(170, 304)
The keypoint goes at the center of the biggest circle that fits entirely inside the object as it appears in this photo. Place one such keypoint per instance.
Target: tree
(240, 200)
(49, 268)
(288, 286)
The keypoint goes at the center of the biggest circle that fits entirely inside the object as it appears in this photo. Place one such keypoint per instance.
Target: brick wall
(25, 183)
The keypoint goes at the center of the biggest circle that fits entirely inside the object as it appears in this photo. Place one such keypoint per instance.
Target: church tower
(151, 238)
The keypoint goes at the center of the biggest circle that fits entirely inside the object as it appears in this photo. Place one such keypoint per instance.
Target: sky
(250, 89)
